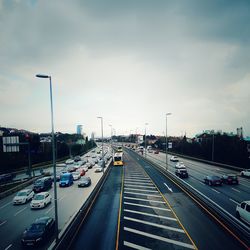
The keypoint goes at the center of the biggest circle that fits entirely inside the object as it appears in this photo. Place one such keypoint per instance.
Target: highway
(227, 196)
(140, 208)
(14, 219)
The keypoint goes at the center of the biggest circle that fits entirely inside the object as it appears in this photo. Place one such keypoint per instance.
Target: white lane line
(20, 211)
(140, 205)
(159, 238)
(169, 188)
(137, 189)
(154, 224)
(215, 191)
(130, 185)
(151, 215)
(139, 182)
(49, 210)
(202, 183)
(234, 201)
(134, 246)
(139, 199)
(6, 205)
(62, 198)
(152, 195)
(8, 247)
(137, 179)
(236, 190)
(3, 222)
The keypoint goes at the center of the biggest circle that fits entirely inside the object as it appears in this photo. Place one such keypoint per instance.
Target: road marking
(215, 191)
(144, 190)
(159, 238)
(135, 246)
(234, 201)
(152, 195)
(49, 210)
(236, 190)
(202, 183)
(138, 199)
(140, 205)
(154, 224)
(20, 211)
(170, 189)
(138, 179)
(151, 215)
(5, 205)
(3, 222)
(130, 185)
(139, 182)
(8, 247)
(62, 198)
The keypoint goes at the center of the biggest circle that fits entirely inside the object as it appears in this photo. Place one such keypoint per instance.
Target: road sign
(170, 145)
(8, 140)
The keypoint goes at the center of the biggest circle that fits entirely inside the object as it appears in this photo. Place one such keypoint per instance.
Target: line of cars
(242, 209)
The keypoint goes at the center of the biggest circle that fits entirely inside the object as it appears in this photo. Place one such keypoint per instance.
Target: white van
(243, 211)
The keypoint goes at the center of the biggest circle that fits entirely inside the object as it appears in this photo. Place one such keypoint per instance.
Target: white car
(245, 172)
(76, 176)
(180, 165)
(98, 169)
(174, 158)
(69, 161)
(41, 200)
(23, 196)
(243, 211)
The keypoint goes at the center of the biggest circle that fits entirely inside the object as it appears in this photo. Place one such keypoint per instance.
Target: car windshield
(64, 178)
(117, 158)
(37, 227)
(39, 197)
(38, 182)
(22, 193)
(215, 178)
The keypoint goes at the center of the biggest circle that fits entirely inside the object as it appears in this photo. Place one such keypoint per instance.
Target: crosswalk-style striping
(147, 222)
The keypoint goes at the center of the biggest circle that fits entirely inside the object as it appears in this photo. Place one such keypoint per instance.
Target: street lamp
(100, 117)
(145, 139)
(167, 140)
(111, 144)
(53, 153)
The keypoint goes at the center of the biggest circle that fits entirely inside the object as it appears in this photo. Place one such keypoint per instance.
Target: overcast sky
(128, 61)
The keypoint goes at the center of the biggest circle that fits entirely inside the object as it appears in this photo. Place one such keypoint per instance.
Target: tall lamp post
(167, 139)
(100, 117)
(145, 139)
(111, 143)
(53, 152)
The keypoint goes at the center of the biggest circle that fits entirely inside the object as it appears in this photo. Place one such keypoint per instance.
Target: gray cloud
(142, 57)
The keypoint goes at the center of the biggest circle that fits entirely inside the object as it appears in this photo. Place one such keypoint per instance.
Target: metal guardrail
(68, 233)
(239, 228)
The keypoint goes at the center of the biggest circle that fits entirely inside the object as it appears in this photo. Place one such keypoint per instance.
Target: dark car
(84, 182)
(230, 179)
(6, 178)
(42, 184)
(213, 180)
(38, 232)
(77, 158)
(181, 172)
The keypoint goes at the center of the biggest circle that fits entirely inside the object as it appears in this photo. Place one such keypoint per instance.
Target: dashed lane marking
(159, 238)
(20, 211)
(152, 195)
(154, 224)
(215, 191)
(236, 190)
(140, 205)
(143, 190)
(3, 222)
(151, 215)
(234, 201)
(135, 246)
(139, 199)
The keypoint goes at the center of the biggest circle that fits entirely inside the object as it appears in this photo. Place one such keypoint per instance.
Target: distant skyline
(130, 62)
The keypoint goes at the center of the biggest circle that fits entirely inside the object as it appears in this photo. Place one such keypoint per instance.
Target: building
(92, 136)
(79, 129)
